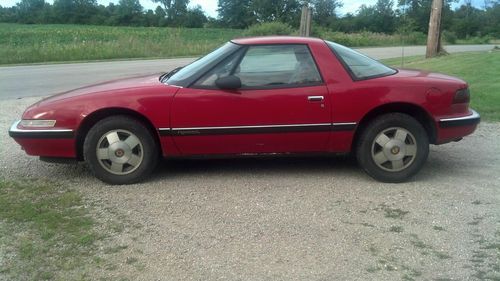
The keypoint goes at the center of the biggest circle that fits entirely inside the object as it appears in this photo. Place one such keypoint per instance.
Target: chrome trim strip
(258, 129)
(14, 129)
(251, 127)
(474, 115)
(17, 133)
(345, 124)
(469, 120)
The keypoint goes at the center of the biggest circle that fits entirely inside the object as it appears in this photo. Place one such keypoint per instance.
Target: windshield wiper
(169, 74)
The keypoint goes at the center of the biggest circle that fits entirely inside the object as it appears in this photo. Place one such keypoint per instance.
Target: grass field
(52, 43)
(57, 43)
(480, 70)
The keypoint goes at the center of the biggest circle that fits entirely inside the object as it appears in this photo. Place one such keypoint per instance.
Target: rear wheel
(120, 150)
(393, 147)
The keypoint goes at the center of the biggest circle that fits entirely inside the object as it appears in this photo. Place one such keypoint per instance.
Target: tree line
(385, 16)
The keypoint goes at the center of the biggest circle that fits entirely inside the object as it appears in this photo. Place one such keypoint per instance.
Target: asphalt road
(43, 80)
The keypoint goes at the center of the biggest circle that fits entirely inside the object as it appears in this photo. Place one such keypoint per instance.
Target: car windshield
(360, 66)
(188, 71)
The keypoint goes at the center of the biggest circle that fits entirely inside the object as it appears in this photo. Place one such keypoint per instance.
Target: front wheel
(393, 148)
(120, 150)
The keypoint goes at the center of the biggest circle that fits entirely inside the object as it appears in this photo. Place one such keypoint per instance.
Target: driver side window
(223, 69)
(267, 66)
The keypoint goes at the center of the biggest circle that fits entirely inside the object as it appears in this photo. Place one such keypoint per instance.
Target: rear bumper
(453, 129)
(45, 142)
(468, 120)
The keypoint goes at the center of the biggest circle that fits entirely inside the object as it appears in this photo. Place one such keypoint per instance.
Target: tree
(468, 21)
(74, 11)
(347, 23)
(418, 11)
(285, 11)
(161, 16)
(364, 17)
(8, 14)
(324, 11)
(236, 13)
(176, 10)
(492, 20)
(30, 11)
(384, 17)
(195, 18)
(129, 12)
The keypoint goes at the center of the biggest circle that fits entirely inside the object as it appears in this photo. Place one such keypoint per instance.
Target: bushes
(449, 37)
(479, 40)
(370, 39)
(361, 39)
(269, 28)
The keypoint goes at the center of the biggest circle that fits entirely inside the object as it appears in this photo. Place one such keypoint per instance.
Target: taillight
(462, 96)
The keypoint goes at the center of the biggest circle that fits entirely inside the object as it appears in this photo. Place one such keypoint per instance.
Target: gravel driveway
(295, 218)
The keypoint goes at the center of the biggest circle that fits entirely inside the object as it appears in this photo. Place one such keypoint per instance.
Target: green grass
(396, 228)
(395, 213)
(438, 228)
(58, 43)
(21, 44)
(45, 232)
(480, 70)
(51, 43)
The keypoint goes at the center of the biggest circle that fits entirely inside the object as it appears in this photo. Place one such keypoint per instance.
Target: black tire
(145, 152)
(380, 130)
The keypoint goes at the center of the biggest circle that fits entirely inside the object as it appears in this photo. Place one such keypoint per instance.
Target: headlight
(38, 123)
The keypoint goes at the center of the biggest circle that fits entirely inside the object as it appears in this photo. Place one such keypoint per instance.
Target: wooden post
(434, 35)
(305, 22)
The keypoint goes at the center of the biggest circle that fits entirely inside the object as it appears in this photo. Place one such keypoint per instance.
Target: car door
(282, 105)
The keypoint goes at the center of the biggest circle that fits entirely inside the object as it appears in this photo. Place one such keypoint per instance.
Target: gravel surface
(294, 218)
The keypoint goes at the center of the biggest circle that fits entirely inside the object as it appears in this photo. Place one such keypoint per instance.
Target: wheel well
(98, 115)
(413, 110)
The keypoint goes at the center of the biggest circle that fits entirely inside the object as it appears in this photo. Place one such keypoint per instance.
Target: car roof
(276, 40)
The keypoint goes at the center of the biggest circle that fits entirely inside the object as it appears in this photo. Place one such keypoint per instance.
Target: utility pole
(305, 21)
(434, 35)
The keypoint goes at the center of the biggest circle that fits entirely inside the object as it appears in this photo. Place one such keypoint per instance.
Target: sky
(210, 6)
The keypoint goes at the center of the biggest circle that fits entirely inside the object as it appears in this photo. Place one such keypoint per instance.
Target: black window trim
(265, 87)
(352, 75)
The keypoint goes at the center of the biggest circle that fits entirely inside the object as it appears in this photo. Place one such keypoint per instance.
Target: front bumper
(16, 132)
(468, 120)
(52, 142)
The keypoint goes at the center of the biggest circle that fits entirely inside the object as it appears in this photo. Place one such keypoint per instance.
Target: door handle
(315, 98)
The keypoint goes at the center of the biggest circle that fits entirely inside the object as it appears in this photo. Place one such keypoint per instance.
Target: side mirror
(230, 82)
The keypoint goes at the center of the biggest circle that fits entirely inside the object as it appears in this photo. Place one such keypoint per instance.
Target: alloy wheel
(394, 149)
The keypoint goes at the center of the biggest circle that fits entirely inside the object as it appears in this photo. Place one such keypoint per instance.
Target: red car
(255, 96)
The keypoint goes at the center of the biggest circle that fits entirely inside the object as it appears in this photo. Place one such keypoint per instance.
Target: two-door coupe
(253, 96)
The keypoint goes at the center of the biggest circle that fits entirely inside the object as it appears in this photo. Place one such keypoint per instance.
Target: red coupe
(253, 96)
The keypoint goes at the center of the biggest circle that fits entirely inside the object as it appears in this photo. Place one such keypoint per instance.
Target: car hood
(108, 86)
